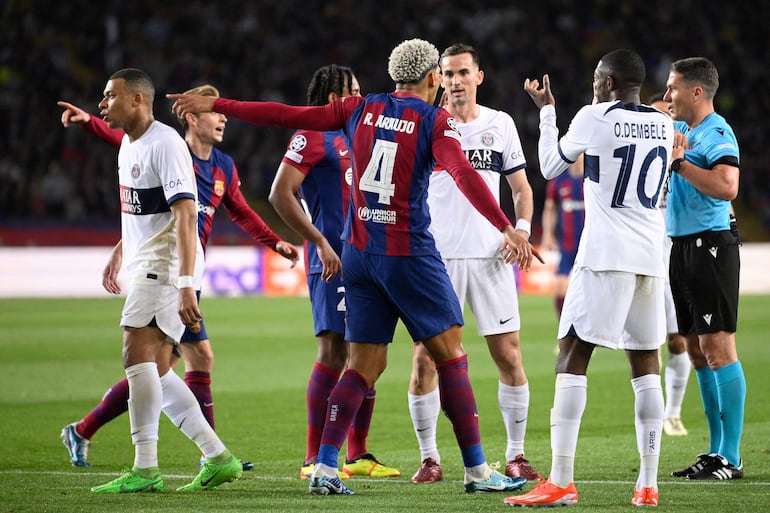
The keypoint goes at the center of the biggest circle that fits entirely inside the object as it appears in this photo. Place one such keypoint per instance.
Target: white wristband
(184, 282)
(524, 225)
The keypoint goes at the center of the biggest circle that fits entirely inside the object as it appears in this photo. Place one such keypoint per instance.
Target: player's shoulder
(222, 159)
(163, 136)
(493, 114)
(304, 140)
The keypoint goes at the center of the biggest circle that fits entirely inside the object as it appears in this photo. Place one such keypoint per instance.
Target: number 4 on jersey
(378, 175)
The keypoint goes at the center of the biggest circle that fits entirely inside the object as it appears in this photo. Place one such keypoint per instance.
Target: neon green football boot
(215, 472)
(133, 480)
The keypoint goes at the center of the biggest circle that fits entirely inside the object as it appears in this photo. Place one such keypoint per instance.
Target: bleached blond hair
(412, 60)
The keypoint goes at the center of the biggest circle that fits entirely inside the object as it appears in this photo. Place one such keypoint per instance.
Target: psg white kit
(154, 171)
(493, 148)
(469, 243)
(615, 297)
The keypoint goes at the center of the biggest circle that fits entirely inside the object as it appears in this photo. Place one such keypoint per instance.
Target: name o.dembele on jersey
(627, 152)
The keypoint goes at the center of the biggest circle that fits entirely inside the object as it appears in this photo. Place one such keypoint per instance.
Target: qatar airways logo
(377, 215)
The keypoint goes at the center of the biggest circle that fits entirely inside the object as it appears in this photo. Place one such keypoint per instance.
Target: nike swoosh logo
(520, 421)
(421, 430)
(135, 432)
(506, 320)
(207, 481)
(343, 153)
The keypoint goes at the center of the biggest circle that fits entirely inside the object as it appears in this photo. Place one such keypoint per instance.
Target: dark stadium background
(59, 186)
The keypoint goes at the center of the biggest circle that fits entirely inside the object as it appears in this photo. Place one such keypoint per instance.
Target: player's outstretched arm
(190, 103)
(73, 115)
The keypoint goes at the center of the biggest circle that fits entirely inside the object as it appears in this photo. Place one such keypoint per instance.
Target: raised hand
(543, 96)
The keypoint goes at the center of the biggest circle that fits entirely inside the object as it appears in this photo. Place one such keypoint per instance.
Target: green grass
(59, 356)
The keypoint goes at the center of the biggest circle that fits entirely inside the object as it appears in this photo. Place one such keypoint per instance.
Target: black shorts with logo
(704, 274)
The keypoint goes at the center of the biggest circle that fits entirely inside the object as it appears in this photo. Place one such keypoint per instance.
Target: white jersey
(627, 152)
(491, 144)
(154, 171)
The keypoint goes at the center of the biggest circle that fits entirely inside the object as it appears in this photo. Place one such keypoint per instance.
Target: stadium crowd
(269, 49)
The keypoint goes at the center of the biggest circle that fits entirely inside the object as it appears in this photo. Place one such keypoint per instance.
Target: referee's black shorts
(704, 273)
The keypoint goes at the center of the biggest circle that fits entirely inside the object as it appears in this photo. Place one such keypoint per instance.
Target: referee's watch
(676, 164)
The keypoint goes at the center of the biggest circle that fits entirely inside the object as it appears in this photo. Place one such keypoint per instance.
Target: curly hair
(329, 79)
(411, 61)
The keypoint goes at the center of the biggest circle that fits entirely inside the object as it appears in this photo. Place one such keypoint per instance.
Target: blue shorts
(380, 290)
(566, 262)
(188, 337)
(328, 303)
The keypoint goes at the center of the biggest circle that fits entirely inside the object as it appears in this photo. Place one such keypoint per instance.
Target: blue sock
(710, 397)
(328, 454)
(731, 387)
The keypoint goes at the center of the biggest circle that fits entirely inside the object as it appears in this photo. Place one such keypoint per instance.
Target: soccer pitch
(60, 355)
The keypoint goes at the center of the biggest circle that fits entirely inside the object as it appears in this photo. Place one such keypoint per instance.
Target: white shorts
(159, 301)
(616, 310)
(488, 286)
(671, 324)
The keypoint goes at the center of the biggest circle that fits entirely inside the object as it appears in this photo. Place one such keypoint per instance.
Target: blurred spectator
(267, 49)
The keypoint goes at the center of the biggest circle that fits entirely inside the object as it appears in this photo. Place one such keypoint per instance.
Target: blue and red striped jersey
(567, 192)
(396, 139)
(325, 160)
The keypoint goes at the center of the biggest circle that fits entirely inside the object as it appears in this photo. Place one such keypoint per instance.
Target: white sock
(648, 418)
(479, 472)
(569, 402)
(424, 410)
(677, 374)
(514, 404)
(321, 470)
(144, 404)
(180, 405)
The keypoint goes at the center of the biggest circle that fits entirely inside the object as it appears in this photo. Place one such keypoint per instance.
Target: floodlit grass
(59, 356)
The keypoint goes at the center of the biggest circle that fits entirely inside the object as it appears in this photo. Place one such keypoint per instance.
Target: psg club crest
(487, 139)
(135, 170)
(219, 187)
(298, 143)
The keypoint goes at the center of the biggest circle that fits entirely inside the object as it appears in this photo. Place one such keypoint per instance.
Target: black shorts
(705, 274)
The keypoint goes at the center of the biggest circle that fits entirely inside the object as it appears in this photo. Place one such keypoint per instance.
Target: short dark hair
(655, 97)
(698, 70)
(626, 68)
(460, 48)
(329, 79)
(136, 81)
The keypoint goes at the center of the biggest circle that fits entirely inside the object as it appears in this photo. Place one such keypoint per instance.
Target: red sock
(344, 403)
(359, 431)
(559, 301)
(459, 404)
(113, 404)
(319, 386)
(200, 384)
